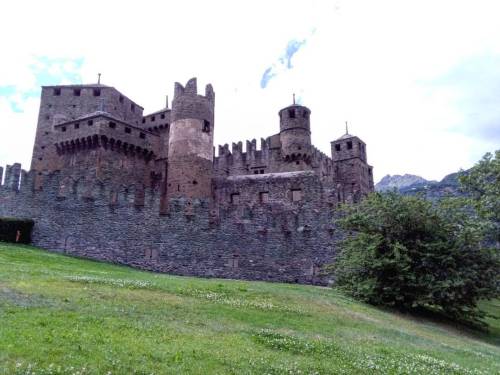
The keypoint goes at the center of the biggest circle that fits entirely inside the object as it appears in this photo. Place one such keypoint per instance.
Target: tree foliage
(408, 253)
(482, 183)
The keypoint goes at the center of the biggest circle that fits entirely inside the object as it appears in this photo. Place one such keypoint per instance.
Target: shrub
(407, 253)
(11, 228)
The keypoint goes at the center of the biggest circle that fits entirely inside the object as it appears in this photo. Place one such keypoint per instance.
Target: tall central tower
(190, 146)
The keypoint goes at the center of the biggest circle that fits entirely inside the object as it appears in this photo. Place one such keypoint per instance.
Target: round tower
(295, 134)
(190, 145)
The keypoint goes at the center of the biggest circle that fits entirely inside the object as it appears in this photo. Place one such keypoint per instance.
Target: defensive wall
(280, 228)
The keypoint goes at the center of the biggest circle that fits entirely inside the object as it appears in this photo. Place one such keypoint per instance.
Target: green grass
(61, 315)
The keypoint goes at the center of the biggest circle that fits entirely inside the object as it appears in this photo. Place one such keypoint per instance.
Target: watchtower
(295, 135)
(351, 168)
(190, 146)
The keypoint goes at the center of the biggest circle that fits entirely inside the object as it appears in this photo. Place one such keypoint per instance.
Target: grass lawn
(61, 315)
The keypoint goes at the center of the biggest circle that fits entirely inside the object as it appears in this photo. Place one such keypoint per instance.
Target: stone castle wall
(274, 239)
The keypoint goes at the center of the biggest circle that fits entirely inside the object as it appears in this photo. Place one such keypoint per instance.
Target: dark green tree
(482, 185)
(413, 255)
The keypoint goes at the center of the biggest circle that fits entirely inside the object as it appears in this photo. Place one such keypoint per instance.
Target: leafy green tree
(482, 183)
(408, 253)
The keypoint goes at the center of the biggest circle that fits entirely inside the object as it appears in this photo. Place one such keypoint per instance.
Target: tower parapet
(190, 147)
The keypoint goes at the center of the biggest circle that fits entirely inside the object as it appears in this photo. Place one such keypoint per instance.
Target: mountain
(400, 182)
(411, 185)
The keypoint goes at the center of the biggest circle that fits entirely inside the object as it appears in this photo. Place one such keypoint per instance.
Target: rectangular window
(97, 92)
(235, 198)
(162, 116)
(142, 136)
(57, 91)
(337, 147)
(263, 197)
(120, 99)
(90, 122)
(132, 107)
(206, 126)
(128, 130)
(63, 129)
(291, 113)
(296, 195)
(152, 118)
(112, 125)
(143, 120)
(349, 145)
(77, 126)
(77, 92)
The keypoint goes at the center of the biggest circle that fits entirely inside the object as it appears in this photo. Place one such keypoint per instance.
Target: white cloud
(372, 63)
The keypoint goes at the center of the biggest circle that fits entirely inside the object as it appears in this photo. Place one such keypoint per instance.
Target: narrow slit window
(349, 145)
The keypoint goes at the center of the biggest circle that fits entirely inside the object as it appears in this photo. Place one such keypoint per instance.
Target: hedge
(16, 230)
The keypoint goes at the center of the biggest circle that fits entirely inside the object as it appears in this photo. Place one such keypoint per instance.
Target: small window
(77, 126)
(291, 113)
(112, 125)
(142, 136)
(132, 107)
(206, 126)
(57, 91)
(256, 172)
(120, 99)
(296, 195)
(306, 114)
(337, 147)
(235, 198)
(297, 162)
(43, 147)
(370, 171)
(128, 130)
(77, 92)
(152, 118)
(47, 117)
(143, 120)
(261, 171)
(40, 159)
(349, 145)
(97, 92)
(49, 105)
(63, 129)
(263, 196)
(162, 116)
(90, 122)
(195, 182)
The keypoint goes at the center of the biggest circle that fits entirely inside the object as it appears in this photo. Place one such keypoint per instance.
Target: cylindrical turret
(190, 146)
(295, 133)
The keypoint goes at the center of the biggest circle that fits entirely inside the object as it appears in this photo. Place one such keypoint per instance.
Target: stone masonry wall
(275, 241)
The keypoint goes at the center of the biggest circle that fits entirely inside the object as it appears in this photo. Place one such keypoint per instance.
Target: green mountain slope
(61, 315)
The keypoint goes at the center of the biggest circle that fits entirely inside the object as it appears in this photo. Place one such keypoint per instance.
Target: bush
(410, 254)
(9, 228)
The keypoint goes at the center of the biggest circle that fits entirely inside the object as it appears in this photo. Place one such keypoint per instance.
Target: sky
(418, 81)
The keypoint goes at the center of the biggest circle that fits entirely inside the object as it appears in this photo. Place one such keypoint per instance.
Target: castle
(109, 183)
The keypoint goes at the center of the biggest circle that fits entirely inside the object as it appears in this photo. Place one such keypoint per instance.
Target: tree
(408, 253)
(482, 184)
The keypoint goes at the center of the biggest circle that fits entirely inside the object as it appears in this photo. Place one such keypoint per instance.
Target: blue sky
(418, 81)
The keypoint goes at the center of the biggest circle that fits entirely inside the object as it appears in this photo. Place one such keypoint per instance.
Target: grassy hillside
(61, 315)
